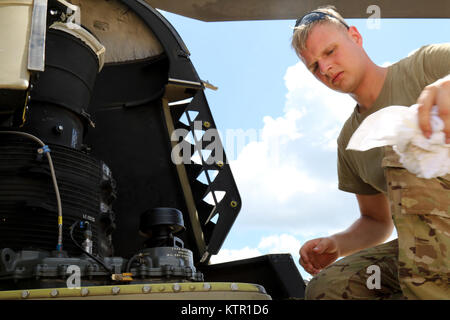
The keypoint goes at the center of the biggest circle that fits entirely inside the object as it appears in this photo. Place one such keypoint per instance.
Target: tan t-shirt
(361, 172)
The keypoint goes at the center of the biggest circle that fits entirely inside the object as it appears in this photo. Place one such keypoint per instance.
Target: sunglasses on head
(315, 16)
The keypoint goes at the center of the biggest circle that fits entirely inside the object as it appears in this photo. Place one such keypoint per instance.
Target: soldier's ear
(355, 35)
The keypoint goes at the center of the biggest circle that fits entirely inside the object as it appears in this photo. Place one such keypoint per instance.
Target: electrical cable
(133, 258)
(46, 150)
(87, 253)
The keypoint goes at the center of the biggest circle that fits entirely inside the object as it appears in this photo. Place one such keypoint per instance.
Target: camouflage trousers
(417, 264)
(349, 277)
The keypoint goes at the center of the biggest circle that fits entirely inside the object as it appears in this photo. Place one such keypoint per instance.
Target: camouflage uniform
(416, 266)
(421, 212)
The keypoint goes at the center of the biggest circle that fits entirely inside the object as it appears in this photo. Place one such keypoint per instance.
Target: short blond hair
(301, 33)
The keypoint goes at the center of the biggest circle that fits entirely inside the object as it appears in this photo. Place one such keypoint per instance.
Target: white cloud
(287, 178)
(272, 244)
(226, 255)
(283, 243)
(284, 128)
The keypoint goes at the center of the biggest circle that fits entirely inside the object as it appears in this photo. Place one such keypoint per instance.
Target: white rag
(398, 126)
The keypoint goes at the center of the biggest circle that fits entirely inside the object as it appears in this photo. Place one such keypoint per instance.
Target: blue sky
(286, 169)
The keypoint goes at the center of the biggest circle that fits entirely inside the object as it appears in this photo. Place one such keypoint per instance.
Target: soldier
(416, 265)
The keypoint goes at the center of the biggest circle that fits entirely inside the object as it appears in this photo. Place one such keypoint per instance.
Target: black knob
(160, 224)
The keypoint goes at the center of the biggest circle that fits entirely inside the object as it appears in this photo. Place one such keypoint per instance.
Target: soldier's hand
(437, 93)
(318, 253)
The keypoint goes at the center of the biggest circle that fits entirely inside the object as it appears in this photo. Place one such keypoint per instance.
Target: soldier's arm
(373, 227)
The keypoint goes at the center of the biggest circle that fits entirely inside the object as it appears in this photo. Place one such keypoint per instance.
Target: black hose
(130, 262)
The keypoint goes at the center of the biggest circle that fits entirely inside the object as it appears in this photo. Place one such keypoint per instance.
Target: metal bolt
(206, 286)
(219, 164)
(54, 293)
(58, 129)
(146, 289)
(234, 286)
(84, 292)
(25, 294)
(206, 124)
(176, 287)
(233, 204)
(115, 290)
